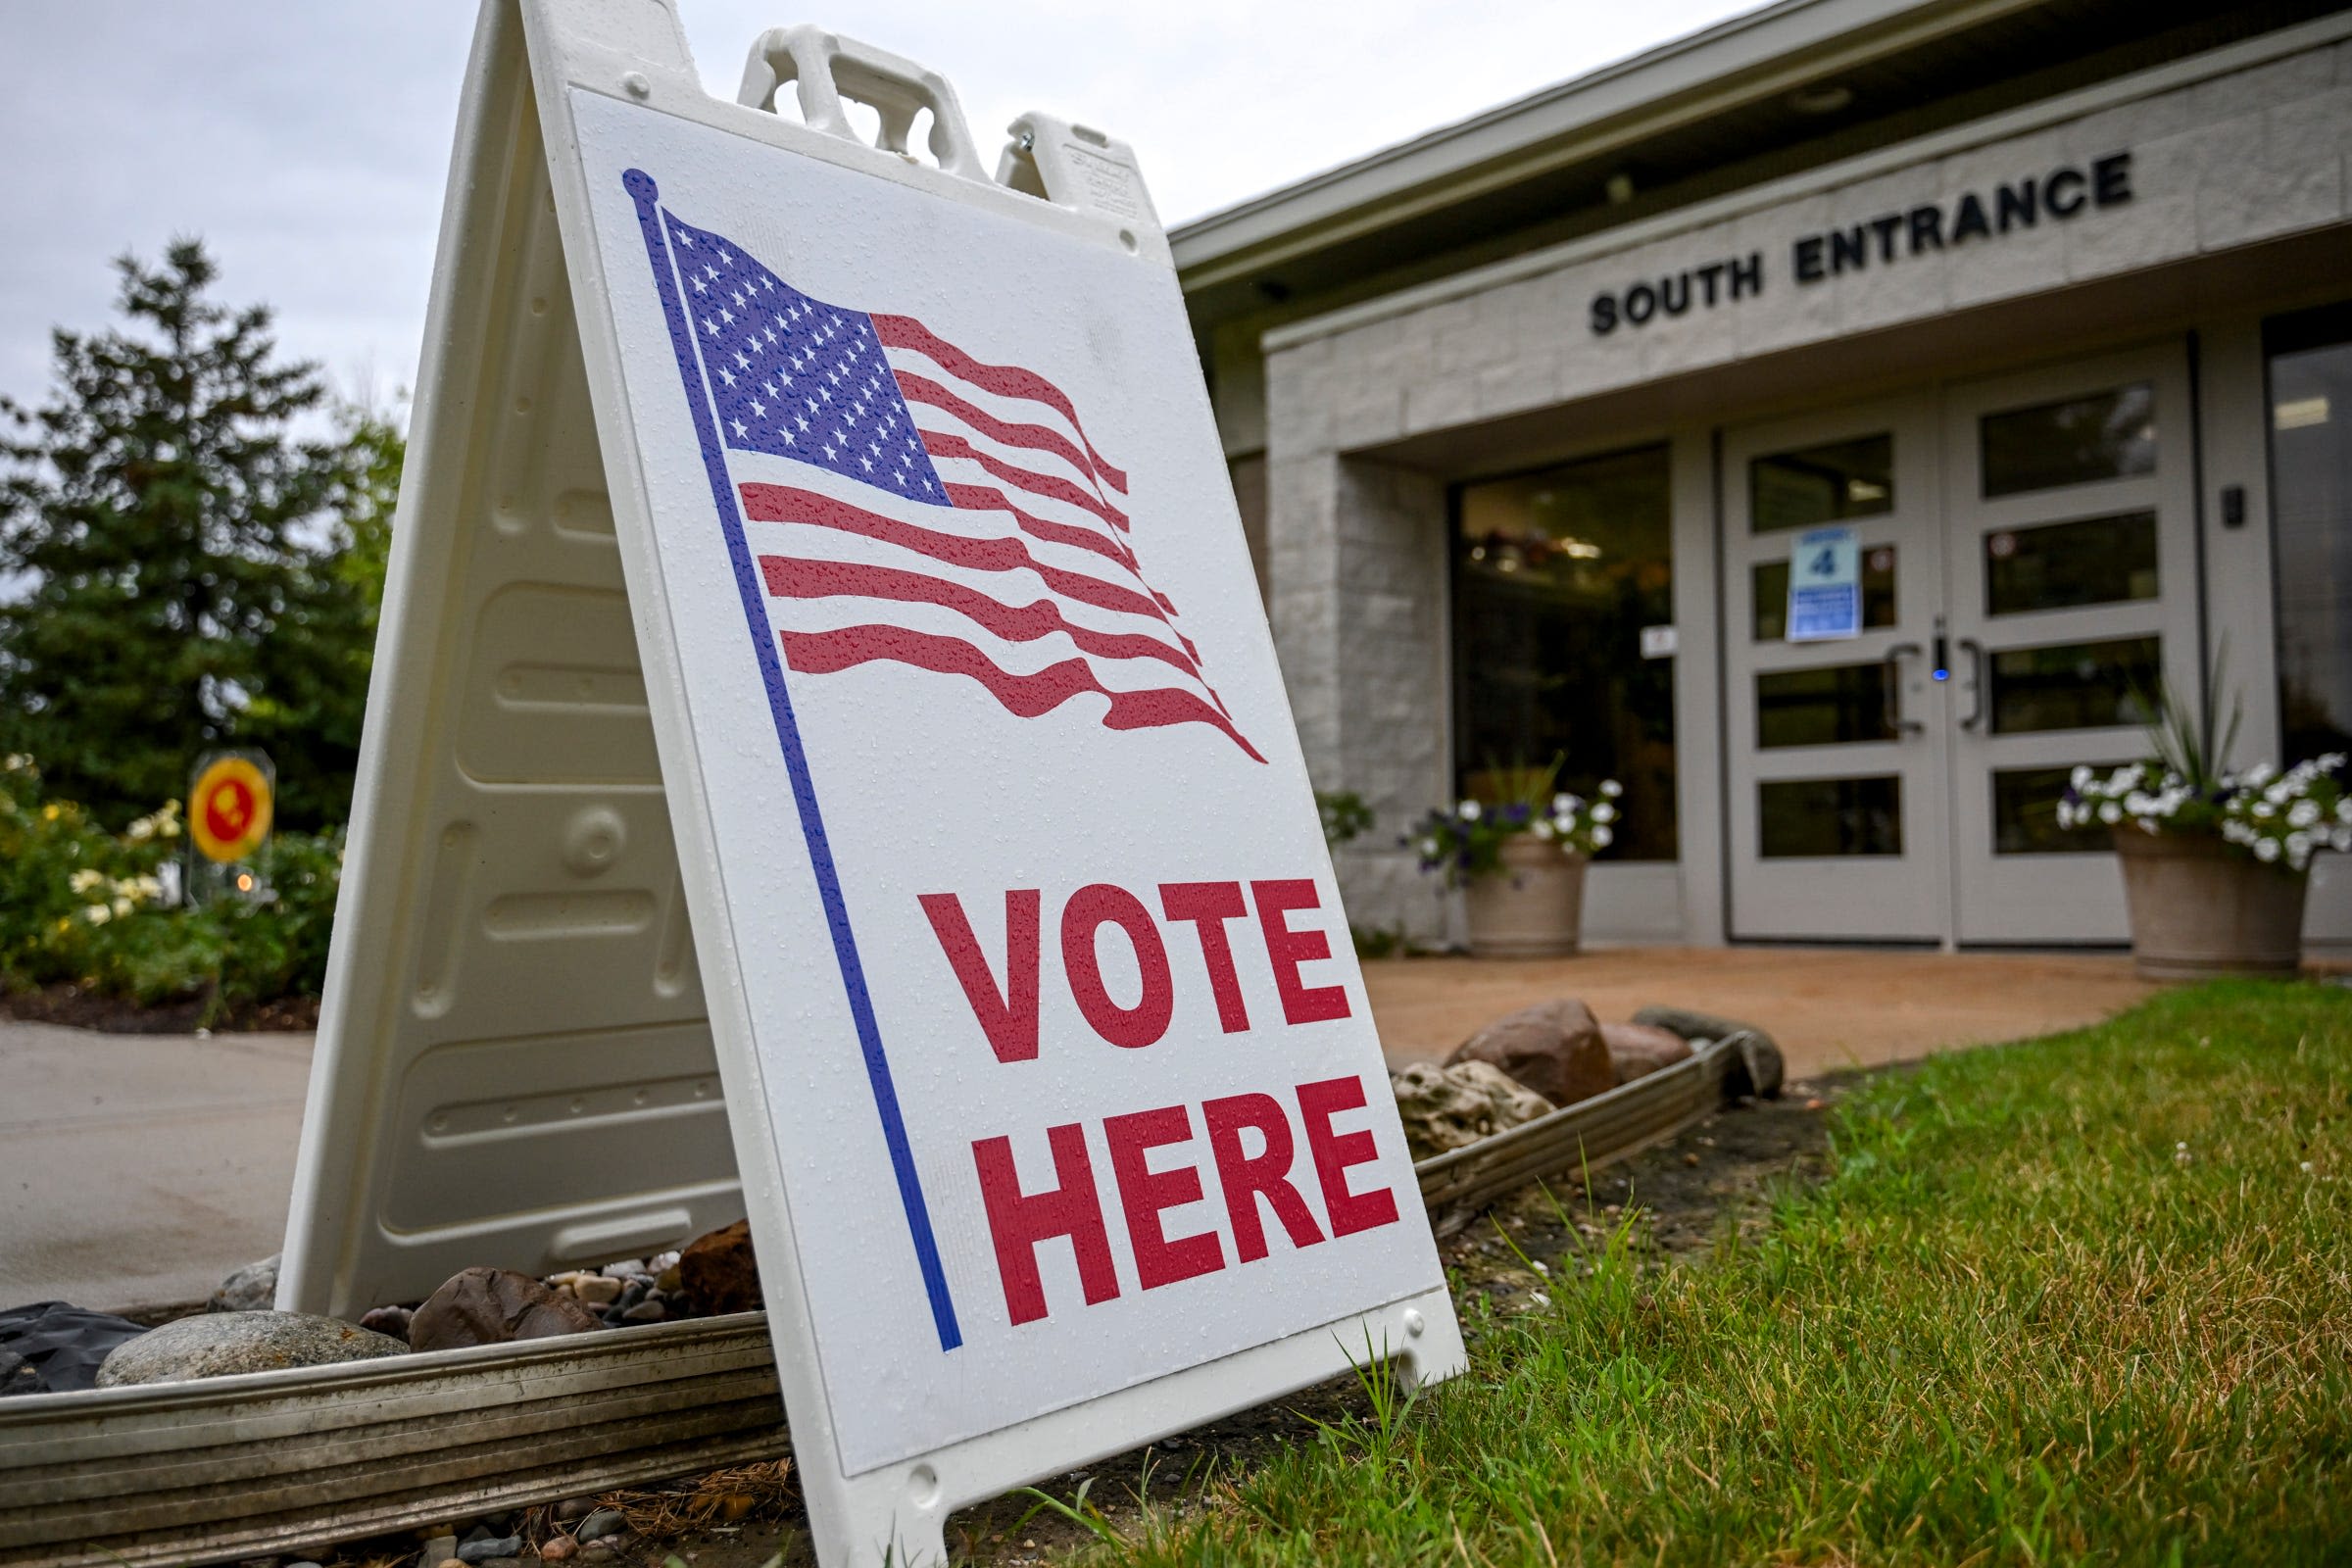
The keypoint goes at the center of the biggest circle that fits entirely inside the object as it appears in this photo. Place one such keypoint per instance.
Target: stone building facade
(1924, 260)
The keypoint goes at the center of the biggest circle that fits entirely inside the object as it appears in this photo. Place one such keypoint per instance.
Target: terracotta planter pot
(2200, 907)
(1533, 907)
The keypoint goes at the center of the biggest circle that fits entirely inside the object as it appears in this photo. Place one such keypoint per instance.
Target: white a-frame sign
(825, 729)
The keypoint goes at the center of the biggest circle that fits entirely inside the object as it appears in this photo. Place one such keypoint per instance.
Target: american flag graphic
(908, 502)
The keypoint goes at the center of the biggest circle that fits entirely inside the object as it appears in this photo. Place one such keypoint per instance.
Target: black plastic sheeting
(50, 1347)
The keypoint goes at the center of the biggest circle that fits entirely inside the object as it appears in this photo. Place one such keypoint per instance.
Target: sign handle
(825, 67)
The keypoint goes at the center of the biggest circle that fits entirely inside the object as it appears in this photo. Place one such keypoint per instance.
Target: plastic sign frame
(567, 103)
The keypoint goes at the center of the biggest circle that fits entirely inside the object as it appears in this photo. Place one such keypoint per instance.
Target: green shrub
(84, 905)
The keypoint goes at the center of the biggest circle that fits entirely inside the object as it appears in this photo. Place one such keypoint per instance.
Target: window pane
(2108, 435)
(1831, 706)
(2073, 685)
(2310, 512)
(2025, 815)
(1771, 587)
(2094, 561)
(1803, 817)
(1554, 575)
(1821, 484)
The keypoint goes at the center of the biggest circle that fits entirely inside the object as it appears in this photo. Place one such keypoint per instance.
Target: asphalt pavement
(137, 1170)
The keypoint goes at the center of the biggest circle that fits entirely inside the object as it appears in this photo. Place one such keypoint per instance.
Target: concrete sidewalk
(1827, 1007)
(137, 1170)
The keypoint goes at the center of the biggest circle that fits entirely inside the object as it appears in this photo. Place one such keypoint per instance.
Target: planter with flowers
(1520, 862)
(2215, 862)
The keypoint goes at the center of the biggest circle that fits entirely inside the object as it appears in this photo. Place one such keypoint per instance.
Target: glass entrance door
(1836, 822)
(2027, 578)
(2070, 549)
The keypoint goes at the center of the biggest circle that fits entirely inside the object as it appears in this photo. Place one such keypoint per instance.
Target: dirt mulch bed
(72, 1006)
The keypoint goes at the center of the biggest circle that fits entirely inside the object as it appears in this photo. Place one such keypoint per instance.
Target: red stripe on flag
(940, 444)
(792, 578)
(983, 498)
(1028, 437)
(776, 503)
(1027, 696)
(1004, 381)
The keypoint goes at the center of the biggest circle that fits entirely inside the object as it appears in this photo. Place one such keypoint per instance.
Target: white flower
(16, 762)
(86, 881)
(2264, 808)
(1563, 804)
(2303, 813)
(2339, 839)
(2343, 810)
(1602, 838)
(2259, 774)
(2298, 844)
(2110, 812)
(2066, 814)
(1429, 849)
(141, 830)
(1611, 789)
(2081, 776)
(97, 914)
(124, 905)
(1604, 813)
(1540, 829)
(1468, 811)
(2266, 850)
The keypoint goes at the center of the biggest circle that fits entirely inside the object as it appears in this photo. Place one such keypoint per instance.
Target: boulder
(491, 1306)
(1759, 1054)
(1638, 1050)
(719, 1271)
(1453, 1107)
(1553, 1047)
(251, 1288)
(219, 1345)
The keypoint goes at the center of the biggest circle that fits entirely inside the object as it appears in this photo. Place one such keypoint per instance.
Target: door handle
(1895, 721)
(1976, 682)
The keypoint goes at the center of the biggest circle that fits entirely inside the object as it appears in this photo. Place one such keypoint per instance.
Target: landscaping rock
(646, 1312)
(251, 1288)
(219, 1344)
(600, 1524)
(1760, 1055)
(1453, 1107)
(438, 1549)
(597, 1290)
(392, 1320)
(719, 1272)
(477, 1551)
(1553, 1047)
(1638, 1050)
(556, 1549)
(491, 1306)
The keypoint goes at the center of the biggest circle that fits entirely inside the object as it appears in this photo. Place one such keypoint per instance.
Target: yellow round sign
(228, 809)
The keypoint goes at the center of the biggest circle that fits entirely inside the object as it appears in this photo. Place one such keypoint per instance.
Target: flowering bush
(84, 905)
(2272, 815)
(1465, 840)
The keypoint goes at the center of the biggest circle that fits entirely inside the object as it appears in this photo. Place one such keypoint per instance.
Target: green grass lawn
(2079, 1300)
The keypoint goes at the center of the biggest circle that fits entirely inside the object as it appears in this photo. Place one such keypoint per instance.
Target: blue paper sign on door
(1825, 586)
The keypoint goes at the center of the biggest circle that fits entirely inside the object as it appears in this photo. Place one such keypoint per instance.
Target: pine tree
(172, 543)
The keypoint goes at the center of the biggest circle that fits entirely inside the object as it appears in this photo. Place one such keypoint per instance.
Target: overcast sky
(308, 142)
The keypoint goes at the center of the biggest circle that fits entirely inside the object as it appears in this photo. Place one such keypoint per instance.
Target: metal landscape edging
(272, 1463)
